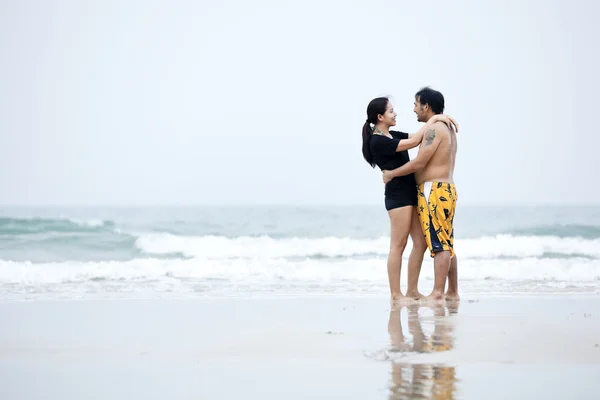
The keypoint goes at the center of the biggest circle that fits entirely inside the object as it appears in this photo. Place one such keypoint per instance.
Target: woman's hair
(376, 106)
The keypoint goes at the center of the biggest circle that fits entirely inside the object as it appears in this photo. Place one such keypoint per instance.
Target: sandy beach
(295, 348)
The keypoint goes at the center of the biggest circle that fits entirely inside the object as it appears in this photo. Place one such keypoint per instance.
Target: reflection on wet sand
(422, 381)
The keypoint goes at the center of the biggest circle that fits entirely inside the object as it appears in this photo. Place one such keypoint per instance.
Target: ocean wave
(67, 236)
(265, 247)
(560, 230)
(34, 225)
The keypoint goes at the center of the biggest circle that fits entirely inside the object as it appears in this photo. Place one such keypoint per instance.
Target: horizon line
(474, 204)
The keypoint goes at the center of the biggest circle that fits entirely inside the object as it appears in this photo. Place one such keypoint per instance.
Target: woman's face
(389, 117)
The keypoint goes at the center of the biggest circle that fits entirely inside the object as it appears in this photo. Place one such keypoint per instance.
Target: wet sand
(297, 348)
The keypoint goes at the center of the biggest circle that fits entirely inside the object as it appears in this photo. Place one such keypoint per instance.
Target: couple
(420, 195)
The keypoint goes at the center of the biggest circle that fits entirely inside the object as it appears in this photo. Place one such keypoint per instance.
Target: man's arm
(431, 141)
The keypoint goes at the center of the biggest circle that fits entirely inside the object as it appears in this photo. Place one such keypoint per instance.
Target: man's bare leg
(415, 260)
(441, 265)
(452, 293)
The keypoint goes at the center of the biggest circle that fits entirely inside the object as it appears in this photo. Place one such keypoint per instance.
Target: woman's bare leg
(400, 221)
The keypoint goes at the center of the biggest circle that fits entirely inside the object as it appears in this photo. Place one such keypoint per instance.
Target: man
(437, 197)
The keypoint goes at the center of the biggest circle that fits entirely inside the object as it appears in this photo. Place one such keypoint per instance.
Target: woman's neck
(382, 129)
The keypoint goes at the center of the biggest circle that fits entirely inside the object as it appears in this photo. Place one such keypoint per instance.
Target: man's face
(420, 110)
(389, 117)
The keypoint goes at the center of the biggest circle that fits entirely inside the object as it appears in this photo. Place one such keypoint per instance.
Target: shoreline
(190, 296)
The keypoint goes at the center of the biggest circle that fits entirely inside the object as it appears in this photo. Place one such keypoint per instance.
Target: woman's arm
(414, 139)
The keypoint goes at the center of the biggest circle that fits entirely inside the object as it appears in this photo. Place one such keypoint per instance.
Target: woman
(389, 150)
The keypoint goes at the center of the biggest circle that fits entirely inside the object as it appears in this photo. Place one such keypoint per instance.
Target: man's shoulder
(440, 127)
(439, 130)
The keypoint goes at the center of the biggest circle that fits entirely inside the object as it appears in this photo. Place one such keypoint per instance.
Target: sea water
(283, 250)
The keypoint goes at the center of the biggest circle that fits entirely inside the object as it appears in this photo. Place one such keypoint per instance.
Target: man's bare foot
(452, 296)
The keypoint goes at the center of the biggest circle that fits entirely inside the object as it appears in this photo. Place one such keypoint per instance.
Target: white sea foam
(264, 247)
(282, 275)
(92, 223)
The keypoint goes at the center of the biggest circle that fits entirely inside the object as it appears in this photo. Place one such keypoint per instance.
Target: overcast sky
(252, 102)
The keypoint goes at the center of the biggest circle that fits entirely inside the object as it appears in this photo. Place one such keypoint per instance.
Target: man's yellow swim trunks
(436, 203)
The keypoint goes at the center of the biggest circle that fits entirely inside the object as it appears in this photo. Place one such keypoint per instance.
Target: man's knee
(443, 256)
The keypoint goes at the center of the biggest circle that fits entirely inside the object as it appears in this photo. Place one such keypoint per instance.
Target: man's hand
(449, 121)
(387, 176)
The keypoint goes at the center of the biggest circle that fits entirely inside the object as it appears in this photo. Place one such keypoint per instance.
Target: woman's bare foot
(401, 301)
(435, 297)
(415, 295)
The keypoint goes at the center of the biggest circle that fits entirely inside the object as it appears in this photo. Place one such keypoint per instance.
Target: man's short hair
(432, 97)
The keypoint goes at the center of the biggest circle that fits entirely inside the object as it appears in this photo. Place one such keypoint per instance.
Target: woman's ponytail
(367, 132)
(375, 108)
